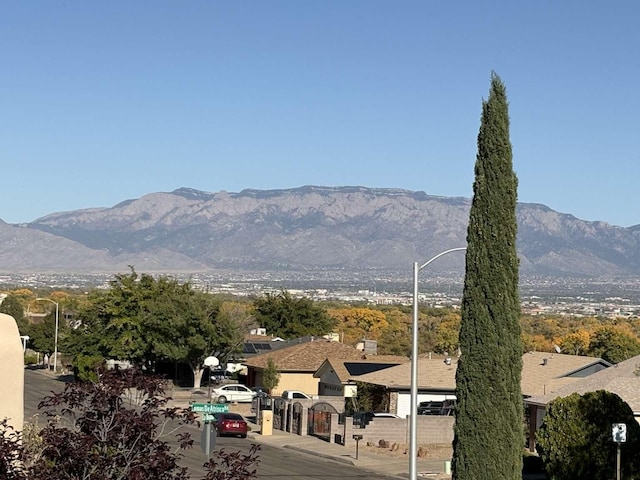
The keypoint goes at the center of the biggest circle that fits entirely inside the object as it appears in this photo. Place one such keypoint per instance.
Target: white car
(295, 394)
(234, 392)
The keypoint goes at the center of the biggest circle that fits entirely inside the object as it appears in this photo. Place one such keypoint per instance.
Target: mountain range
(306, 228)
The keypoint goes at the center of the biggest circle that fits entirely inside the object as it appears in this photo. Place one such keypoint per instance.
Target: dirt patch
(434, 451)
(243, 409)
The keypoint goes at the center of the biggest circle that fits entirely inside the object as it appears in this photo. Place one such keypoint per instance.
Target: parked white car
(233, 392)
(294, 394)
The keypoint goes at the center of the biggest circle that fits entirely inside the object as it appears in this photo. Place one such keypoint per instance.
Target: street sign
(619, 432)
(209, 407)
(208, 417)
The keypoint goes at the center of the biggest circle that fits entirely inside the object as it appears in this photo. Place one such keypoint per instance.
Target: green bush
(575, 440)
(85, 367)
(31, 359)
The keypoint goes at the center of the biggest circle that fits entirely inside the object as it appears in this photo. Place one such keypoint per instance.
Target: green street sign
(208, 417)
(209, 407)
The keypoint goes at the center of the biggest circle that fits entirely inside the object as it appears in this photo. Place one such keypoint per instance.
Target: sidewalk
(380, 463)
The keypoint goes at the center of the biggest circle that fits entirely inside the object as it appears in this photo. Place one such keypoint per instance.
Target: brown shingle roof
(538, 378)
(338, 365)
(305, 357)
(435, 374)
(620, 379)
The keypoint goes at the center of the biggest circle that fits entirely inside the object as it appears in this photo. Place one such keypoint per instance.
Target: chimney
(545, 361)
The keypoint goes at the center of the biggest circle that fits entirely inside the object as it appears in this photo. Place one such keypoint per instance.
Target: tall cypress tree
(489, 439)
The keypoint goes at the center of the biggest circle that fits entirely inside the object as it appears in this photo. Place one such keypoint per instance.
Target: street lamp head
(47, 300)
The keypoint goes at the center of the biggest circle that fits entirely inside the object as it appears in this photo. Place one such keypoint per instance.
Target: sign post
(208, 435)
(208, 439)
(619, 433)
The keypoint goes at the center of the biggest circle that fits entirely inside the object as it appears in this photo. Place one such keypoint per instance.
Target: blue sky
(106, 101)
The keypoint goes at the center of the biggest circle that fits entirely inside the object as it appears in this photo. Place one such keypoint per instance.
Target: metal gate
(296, 421)
(279, 411)
(320, 420)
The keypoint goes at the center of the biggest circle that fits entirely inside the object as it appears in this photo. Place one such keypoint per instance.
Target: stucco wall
(11, 372)
(305, 382)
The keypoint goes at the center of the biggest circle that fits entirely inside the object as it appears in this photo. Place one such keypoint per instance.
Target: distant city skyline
(109, 101)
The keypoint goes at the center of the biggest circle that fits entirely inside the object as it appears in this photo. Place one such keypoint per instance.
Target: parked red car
(231, 424)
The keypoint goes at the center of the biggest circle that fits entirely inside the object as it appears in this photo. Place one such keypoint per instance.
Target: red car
(231, 424)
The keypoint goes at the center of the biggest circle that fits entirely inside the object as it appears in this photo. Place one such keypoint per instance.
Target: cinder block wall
(431, 429)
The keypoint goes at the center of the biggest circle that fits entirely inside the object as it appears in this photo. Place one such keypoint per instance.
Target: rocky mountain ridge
(311, 227)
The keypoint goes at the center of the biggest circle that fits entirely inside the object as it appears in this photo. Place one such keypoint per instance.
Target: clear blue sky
(103, 101)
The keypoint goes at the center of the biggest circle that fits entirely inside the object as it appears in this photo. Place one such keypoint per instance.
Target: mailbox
(357, 438)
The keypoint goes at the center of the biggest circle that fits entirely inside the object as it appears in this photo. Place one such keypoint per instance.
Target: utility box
(266, 423)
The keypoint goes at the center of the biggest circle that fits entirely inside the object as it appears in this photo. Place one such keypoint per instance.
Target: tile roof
(305, 357)
(435, 374)
(620, 379)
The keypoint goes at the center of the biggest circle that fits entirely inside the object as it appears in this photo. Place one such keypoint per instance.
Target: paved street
(275, 462)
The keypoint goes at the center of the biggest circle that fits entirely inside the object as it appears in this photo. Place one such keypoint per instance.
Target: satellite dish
(558, 349)
(211, 362)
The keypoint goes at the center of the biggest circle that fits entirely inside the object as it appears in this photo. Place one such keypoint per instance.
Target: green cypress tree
(489, 440)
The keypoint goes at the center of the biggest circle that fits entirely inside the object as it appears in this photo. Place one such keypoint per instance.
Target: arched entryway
(320, 420)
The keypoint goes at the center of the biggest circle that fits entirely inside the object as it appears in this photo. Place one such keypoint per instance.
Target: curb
(315, 453)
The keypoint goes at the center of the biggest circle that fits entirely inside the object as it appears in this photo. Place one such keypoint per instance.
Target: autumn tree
(447, 333)
(488, 436)
(575, 343)
(536, 343)
(358, 323)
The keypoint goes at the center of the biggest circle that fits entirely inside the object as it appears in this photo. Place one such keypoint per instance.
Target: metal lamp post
(55, 339)
(413, 425)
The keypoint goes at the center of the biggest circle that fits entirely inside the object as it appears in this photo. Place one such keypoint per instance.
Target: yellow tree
(536, 343)
(574, 343)
(447, 334)
(357, 323)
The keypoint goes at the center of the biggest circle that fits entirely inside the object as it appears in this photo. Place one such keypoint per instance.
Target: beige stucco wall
(305, 382)
(11, 372)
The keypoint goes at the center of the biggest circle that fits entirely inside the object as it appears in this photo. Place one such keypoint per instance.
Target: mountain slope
(303, 228)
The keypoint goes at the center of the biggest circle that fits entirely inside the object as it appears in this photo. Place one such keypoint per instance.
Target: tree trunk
(197, 375)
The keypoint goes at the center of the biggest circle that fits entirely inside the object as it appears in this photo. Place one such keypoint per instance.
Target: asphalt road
(275, 463)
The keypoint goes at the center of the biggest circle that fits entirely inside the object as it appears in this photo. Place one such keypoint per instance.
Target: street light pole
(55, 339)
(413, 420)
